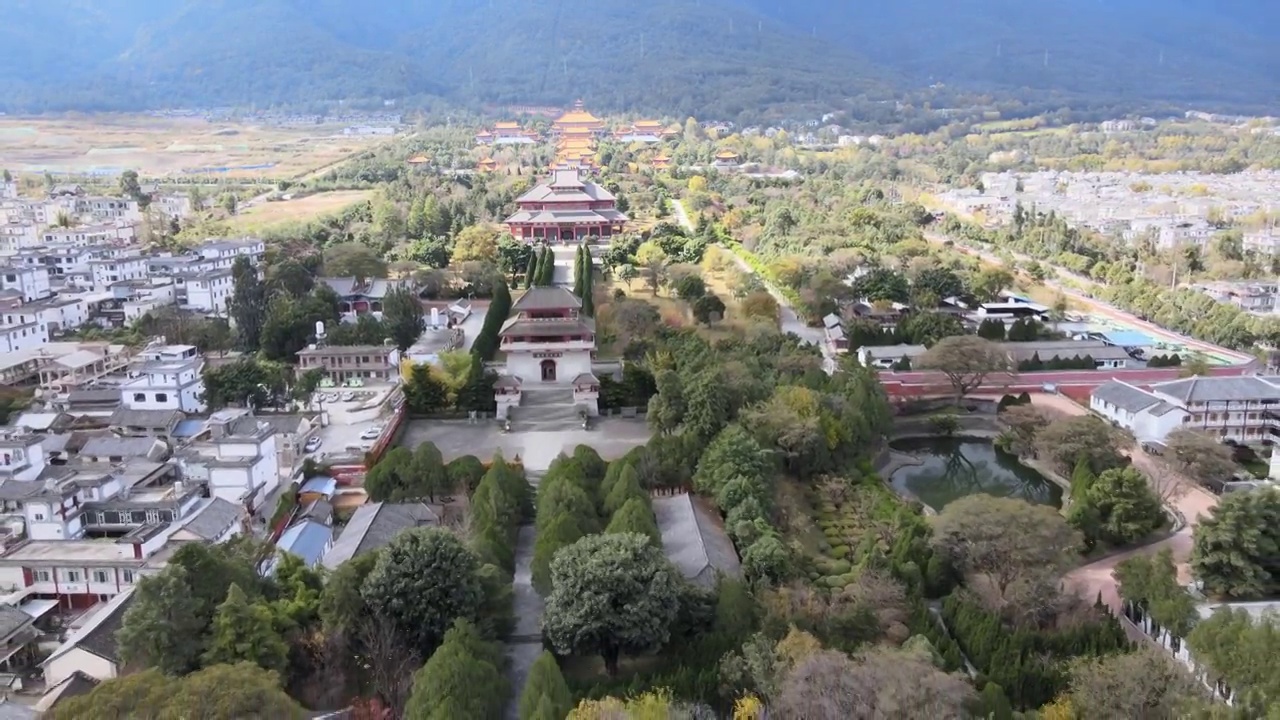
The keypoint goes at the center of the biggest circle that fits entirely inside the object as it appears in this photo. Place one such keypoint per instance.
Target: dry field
(266, 214)
(156, 147)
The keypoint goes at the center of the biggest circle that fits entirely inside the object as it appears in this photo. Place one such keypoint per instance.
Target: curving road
(1192, 501)
(790, 322)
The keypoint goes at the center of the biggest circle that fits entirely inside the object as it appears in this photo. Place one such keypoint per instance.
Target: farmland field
(266, 214)
(170, 147)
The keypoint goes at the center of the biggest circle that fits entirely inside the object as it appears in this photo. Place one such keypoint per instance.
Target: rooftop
(546, 298)
(98, 636)
(1125, 396)
(373, 525)
(1220, 389)
(213, 518)
(695, 545)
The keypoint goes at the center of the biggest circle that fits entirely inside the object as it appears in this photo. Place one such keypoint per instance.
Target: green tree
(167, 623)
(465, 473)
(430, 477)
(242, 632)
(636, 516)
(391, 478)
(1065, 441)
(624, 486)
(627, 273)
(534, 270)
(514, 257)
(342, 605)
(163, 627)
(1236, 549)
(1150, 582)
(461, 681)
(708, 309)
(424, 580)
(353, 260)
(577, 272)
(545, 692)
(732, 454)
(242, 691)
(402, 316)
(1119, 508)
(478, 243)
(594, 577)
(940, 282)
(424, 393)
(248, 306)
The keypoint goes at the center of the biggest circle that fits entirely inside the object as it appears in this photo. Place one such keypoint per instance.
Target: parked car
(313, 444)
(372, 433)
(348, 396)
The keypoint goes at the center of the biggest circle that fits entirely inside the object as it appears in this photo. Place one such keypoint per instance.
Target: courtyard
(611, 437)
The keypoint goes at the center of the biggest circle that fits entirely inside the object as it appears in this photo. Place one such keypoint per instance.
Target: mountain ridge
(677, 56)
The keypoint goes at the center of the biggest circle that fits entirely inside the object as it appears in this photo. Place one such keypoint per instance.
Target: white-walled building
(90, 235)
(23, 335)
(1241, 409)
(169, 378)
(240, 463)
(546, 339)
(31, 282)
(209, 292)
(226, 251)
(109, 271)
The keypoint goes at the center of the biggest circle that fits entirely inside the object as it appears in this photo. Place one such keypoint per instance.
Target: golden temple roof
(506, 126)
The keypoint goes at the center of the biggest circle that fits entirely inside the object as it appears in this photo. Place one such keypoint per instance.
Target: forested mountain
(677, 56)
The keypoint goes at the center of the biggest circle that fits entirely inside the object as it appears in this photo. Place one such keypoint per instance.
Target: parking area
(611, 437)
(354, 414)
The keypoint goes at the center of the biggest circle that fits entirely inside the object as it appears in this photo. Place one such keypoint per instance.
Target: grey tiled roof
(12, 620)
(213, 519)
(1125, 396)
(546, 298)
(1220, 389)
(694, 543)
(373, 525)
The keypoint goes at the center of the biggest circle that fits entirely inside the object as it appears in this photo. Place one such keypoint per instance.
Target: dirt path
(1193, 502)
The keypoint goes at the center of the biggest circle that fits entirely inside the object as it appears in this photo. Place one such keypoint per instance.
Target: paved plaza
(611, 437)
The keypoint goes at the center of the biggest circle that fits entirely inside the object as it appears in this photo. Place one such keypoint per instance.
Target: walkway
(1190, 500)
(525, 644)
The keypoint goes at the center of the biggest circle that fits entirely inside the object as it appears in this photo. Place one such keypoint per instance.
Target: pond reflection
(955, 468)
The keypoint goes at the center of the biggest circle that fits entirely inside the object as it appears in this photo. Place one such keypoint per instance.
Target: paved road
(1188, 498)
(682, 217)
(923, 382)
(1097, 307)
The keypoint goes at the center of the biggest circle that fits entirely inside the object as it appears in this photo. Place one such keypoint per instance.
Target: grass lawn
(266, 214)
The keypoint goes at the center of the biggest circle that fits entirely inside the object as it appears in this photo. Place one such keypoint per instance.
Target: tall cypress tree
(577, 273)
(531, 272)
(588, 283)
(548, 275)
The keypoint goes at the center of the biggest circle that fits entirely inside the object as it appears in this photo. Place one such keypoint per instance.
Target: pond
(954, 468)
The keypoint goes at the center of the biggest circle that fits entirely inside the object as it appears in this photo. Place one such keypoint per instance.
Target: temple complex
(642, 131)
(566, 210)
(577, 120)
(506, 133)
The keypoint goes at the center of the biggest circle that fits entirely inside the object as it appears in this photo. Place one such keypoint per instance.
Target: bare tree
(1025, 423)
(966, 361)
(387, 660)
(880, 685)
(1147, 683)
(1199, 456)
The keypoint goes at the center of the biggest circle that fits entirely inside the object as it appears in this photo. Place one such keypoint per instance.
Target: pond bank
(937, 470)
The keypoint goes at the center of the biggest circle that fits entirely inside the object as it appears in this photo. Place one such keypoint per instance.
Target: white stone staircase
(545, 408)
